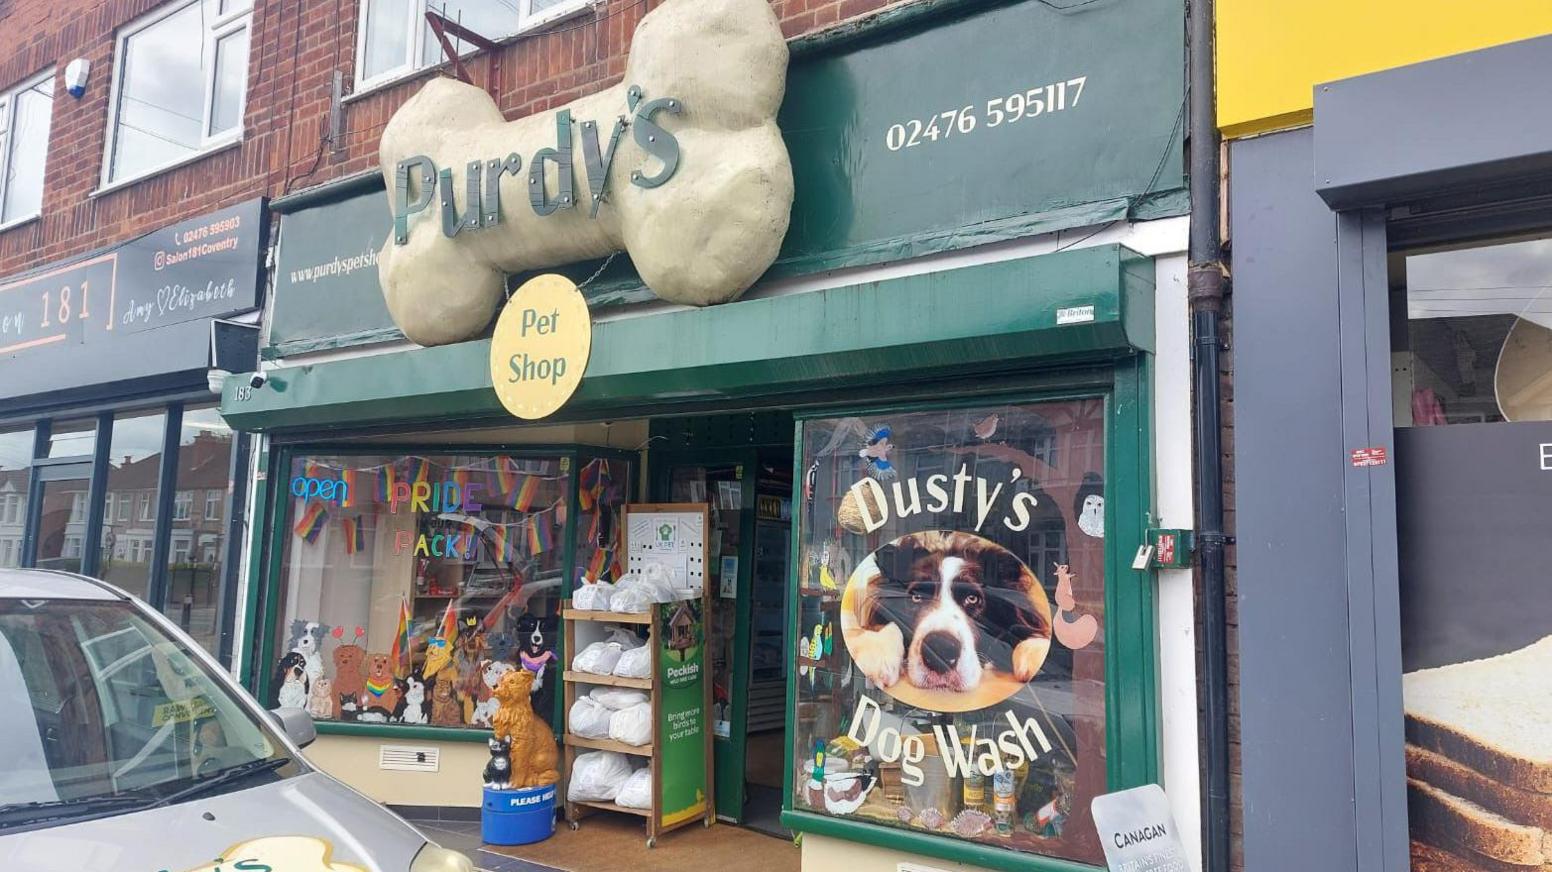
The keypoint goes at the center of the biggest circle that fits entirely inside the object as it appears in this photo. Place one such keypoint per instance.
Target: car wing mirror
(297, 724)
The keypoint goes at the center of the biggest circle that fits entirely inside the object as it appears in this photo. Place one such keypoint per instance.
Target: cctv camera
(257, 380)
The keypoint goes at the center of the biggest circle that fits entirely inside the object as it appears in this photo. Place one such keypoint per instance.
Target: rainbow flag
(420, 470)
(595, 566)
(352, 480)
(385, 481)
(541, 535)
(461, 478)
(617, 565)
(355, 535)
(310, 469)
(401, 639)
(506, 475)
(526, 494)
(592, 528)
(312, 521)
(498, 534)
(587, 486)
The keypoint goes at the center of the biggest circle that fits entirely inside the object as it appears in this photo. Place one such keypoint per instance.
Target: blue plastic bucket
(519, 816)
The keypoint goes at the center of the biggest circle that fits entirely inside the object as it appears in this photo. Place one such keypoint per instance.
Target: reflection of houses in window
(13, 514)
(183, 506)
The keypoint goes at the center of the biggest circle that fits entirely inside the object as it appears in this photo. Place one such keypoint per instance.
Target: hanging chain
(605, 265)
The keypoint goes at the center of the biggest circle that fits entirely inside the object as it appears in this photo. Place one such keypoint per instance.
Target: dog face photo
(946, 621)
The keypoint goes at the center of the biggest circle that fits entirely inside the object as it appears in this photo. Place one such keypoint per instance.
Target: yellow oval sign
(540, 349)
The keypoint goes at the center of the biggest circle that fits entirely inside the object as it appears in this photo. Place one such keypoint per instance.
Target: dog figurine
(498, 772)
(941, 607)
(380, 692)
(291, 679)
(307, 640)
(414, 701)
(491, 674)
(533, 752)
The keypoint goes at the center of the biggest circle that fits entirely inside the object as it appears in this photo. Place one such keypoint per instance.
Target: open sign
(327, 489)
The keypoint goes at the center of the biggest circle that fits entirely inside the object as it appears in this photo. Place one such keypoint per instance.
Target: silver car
(128, 749)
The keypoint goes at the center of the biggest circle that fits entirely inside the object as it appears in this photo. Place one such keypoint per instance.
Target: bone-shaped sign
(685, 170)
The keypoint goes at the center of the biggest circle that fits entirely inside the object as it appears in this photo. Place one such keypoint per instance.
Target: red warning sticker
(1376, 456)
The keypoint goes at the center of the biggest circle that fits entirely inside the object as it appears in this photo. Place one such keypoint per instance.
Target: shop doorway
(749, 490)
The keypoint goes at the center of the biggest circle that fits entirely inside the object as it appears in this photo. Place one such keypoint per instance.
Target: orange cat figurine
(533, 753)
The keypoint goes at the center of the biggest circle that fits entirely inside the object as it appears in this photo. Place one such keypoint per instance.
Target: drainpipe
(1205, 288)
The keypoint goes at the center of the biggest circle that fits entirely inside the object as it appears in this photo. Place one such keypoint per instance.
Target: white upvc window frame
(217, 28)
(412, 64)
(8, 137)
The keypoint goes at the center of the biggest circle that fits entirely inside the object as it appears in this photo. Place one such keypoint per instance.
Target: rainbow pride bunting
(541, 536)
(352, 480)
(499, 546)
(595, 566)
(420, 470)
(401, 639)
(312, 521)
(461, 478)
(385, 482)
(506, 475)
(526, 494)
(587, 485)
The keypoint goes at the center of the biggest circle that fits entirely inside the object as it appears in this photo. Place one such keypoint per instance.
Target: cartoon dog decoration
(534, 648)
(492, 671)
(532, 753)
(941, 608)
(414, 701)
(349, 677)
(699, 230)
(291, 679)
(381, 692)
(307, 640)
(446, 711)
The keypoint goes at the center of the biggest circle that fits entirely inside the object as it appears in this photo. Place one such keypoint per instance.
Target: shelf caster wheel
(706, 823)
(574, 825)
(652, 842)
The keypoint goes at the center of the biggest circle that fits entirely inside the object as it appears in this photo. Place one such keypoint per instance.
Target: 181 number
(62, 307)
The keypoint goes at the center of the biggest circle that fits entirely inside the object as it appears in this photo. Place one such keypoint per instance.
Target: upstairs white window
(179, 86)
(25, 112)
(395, 39)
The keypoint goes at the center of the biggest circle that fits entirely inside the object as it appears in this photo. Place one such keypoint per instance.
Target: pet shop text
(962, 753)
(874, 504)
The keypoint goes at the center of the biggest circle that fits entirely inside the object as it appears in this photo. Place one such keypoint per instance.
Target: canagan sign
(701, 211)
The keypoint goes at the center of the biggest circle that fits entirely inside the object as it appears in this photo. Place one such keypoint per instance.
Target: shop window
(61, 525)
(1472, 403)
(179, 86)
(951, 664)
(76, 438)
(134, 466)
(15, 468)
(1475, 345)
(395, 38)
(194, 582)
(402, 574)
(25, 114)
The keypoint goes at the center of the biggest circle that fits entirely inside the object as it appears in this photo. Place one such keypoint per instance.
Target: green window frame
(1131, 686)
(268, 552)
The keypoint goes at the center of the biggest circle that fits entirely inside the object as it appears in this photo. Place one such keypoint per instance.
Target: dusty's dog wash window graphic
(951, 663)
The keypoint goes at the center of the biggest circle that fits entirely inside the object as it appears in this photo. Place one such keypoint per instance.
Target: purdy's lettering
(481, 194)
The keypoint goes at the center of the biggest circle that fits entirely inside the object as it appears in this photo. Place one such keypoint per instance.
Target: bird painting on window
(876, 453)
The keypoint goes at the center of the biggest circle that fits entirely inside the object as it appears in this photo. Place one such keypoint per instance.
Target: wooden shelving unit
(582, 627)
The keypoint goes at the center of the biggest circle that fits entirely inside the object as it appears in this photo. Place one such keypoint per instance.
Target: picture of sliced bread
(1490, 715)
(1438, 817)
(1431, 858)
(1440, 771)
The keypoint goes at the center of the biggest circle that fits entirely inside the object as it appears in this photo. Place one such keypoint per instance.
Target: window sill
(212, 149)
(368, 87)
(20, 222)
(401, 731)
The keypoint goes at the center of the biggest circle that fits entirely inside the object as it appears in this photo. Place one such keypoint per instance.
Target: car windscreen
(101, 710)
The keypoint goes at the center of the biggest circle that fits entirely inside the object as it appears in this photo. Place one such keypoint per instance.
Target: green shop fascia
(985, 428)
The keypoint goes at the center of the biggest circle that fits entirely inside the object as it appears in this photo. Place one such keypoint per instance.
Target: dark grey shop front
(114, 462)
(1344, 586)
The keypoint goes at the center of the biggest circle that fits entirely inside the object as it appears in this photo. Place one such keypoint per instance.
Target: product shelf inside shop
(609, 680)
(607, 617)
(609, 806)
(608, 745)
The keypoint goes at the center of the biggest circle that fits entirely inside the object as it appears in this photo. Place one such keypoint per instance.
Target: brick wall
(295, 47)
